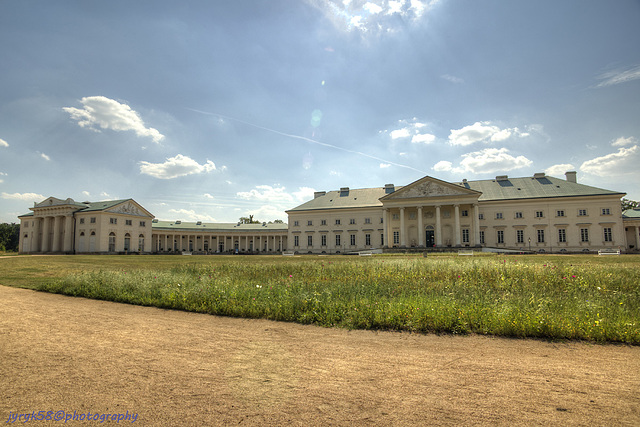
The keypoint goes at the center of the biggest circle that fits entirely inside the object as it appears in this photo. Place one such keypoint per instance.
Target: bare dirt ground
(177, 368)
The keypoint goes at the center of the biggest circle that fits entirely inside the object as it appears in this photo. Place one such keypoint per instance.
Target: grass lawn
(548, 296)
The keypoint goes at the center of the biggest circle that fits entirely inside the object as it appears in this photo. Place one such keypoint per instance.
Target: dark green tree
(9, 237)
(629, 204)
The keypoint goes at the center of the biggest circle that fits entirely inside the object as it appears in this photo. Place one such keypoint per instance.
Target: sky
(215, 110)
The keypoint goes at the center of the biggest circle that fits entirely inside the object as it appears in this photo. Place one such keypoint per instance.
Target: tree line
(9, 237)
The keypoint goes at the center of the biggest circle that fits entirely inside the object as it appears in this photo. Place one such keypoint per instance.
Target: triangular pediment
(130, 207)
(53, 201)
(429, 187)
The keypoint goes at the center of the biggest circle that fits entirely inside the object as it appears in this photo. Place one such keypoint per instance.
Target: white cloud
(372, 8)
(482, 132)
(452, 79)
(27, 197)
(275, 194)
(384, 165)
(304, 193)
(624, 162)
(619, 76)
(426, 138)
(443, 166)
(492, 160)
(208, 196)
(44, 156)
(175, 167)
(3, 143)
(621, 142)
(100, 111)
(191, 215)
(559, 170)
(400, 133)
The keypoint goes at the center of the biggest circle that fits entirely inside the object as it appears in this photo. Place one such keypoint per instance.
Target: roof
(631, 214)
(101, 206)
(356, 198)
(217, 226)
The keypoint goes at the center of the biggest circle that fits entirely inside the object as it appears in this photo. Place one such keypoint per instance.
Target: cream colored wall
(103, 228)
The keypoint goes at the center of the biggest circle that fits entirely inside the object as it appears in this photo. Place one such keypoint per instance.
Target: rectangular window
(582, 212)
(92, 220)
(382, 239)
(141, 244)
(309, 223)
(382, 220)
(520, 236)
(396, 237)
(337, 222)
(395, 217)
(352, 221)
(562, 235)
(367, 239)
(81, 220)
(353, 239)
(323, 240)
(539, 214)
(323, 222)
(143, 224)
(296, 240)
(464, 213)
(540, 236)
(500, 236)
(113, 220)
(295, 224)
(337, 240)
(481, 237)
(412, 215)
(608, 236)
(128, 222)
(584, 234)
(559, 213)
(499, 215)
(606, 211)
(367, 220)
(481, 216)
(518, 214)
(465, 235)
(309, 240)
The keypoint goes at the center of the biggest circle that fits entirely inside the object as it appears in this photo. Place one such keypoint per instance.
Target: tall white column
(420, 228)
(637, 228)
(68, 233)
(476, 224)
(438, 227)
(57, 221)
(457, 224)
(385, 227)
(35, 242)
(46, 246)
(403, 240)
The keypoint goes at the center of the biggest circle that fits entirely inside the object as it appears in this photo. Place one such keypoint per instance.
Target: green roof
(216, 226)
(631, 213)
(100, 206)
(357, 198)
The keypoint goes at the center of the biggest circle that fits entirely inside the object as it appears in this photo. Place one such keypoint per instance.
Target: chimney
(571, 176)
(389, 188)
(317, 194)
(538, 175)
(502, 178)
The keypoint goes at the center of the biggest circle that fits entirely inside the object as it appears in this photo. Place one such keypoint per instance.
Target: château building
(539, 213)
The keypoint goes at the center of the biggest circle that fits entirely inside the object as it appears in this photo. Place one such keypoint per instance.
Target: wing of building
(538, 213)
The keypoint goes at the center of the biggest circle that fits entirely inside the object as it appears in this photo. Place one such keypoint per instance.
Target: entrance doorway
(430, 238)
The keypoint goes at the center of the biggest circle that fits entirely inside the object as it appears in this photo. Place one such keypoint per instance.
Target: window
(582, 212)
(337, 222)
(606, 211)
(352, 221)
(143, 224)
(562, 235)
(127, 242)
(323, 240)
(608, 236)
(128, 222)
(498, 215)
(584, 234)
(367, 220)
(539, 214)
(465, 235)
(519, 236)
(382, 239)
(412, 215)
(481, 216)
(396, 237)
(381, 220)
(309, 240)
(323, 222)
(26, 224)
(296, 224)
(92, 220)
(367, 239)
(500, 236)
(352, 239)
(113, 220)
(296, 240)
(559, 213)
(482, 237)
(464, 213)
(81, 220)
(141, 243)
(309, 223)
(112, 242)
(337, 240)
(540, 236)
(395, 217)
(518, 214)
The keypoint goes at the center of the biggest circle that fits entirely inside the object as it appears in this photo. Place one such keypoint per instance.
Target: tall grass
(597, 302)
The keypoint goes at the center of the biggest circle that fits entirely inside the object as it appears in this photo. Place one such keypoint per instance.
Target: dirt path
(177, 368)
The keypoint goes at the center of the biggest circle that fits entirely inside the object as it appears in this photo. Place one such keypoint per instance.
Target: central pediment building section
(431, 190)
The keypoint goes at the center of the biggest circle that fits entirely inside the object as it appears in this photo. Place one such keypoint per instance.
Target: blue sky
(212, 110)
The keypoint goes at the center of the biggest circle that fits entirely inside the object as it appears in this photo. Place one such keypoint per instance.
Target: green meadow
(581, 297)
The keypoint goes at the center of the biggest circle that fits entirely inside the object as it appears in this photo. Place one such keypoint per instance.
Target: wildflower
(291, 275)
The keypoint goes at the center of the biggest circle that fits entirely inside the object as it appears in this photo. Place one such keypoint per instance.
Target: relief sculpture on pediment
(128, 208)
(429, 189)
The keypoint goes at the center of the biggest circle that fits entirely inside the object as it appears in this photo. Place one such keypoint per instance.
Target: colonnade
(181, 242)
(438, 235)
(52, 233)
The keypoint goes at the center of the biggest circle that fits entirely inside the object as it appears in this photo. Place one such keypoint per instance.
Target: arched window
(112, 242)
(141, 243)
(127, 242)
